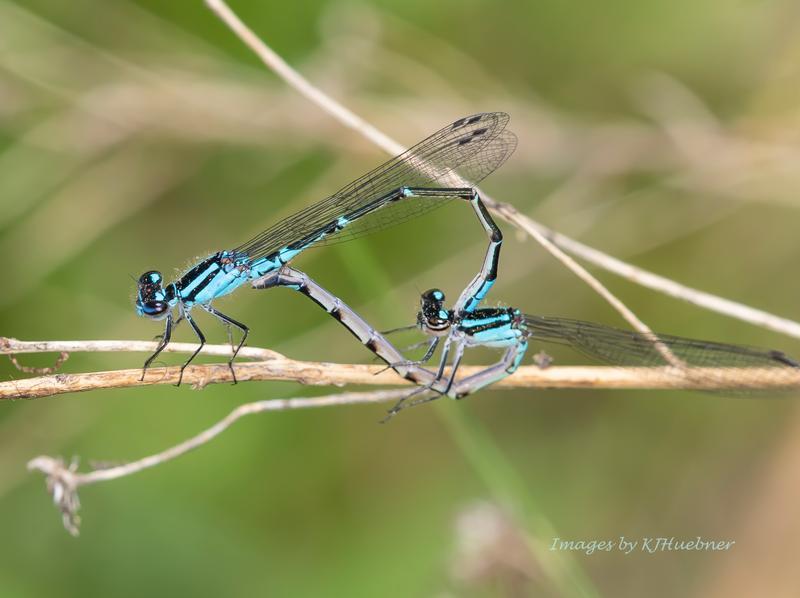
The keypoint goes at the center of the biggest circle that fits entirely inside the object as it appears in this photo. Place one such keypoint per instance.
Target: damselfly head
(433, 318)
(151, 300)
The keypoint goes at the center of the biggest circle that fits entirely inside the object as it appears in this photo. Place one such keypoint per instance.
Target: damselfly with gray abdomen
(444, 166)
(690, 363)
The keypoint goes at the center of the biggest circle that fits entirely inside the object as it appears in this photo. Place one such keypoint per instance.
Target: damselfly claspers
(444, 166)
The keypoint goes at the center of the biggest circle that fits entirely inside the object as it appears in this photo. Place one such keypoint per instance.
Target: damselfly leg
(431, 344)
(165, 338)
(434, 386)
(228, 321)
(200, 337)
(508, 364)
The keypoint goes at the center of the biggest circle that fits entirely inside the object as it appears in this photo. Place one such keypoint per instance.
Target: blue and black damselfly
(443, 167)
(727, 368)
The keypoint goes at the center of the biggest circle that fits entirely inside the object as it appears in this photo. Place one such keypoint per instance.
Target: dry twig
(63, 480)
(277, 367)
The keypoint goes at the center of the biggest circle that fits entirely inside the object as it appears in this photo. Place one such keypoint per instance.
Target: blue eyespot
(151, 277)
(433, 295)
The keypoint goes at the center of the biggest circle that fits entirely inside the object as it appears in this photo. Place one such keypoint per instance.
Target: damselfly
(444, 166)
(708, 365)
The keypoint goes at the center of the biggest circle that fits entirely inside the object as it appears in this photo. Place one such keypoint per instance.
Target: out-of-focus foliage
(140, 135)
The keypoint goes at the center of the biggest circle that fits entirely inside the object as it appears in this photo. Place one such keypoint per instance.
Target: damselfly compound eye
(154, 308)
(150, 278)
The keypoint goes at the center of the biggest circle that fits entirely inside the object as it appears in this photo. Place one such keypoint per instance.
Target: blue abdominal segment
(479, 296)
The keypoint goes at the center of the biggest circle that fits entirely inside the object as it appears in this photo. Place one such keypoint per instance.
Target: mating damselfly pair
(445, 166)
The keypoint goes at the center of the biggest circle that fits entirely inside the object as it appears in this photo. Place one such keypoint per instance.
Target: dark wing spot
(782, 357)
(476, 133)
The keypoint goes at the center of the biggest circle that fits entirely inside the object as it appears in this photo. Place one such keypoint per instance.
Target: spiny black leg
(454, 367)
(427, 341)
(421, 343)
(230, 336)
(164, 342)
(443, 361)
(401, 404)
(230, 322)
(158, 337)
(400, 329)
(425, 358)
(202, 340)
(431, 350)
(404, 404)
(422, 401)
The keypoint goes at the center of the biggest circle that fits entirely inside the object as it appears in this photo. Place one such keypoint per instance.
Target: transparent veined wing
(460, 155)
(706, 361)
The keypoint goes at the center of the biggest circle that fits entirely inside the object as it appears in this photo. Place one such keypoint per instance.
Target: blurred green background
(139, 135)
